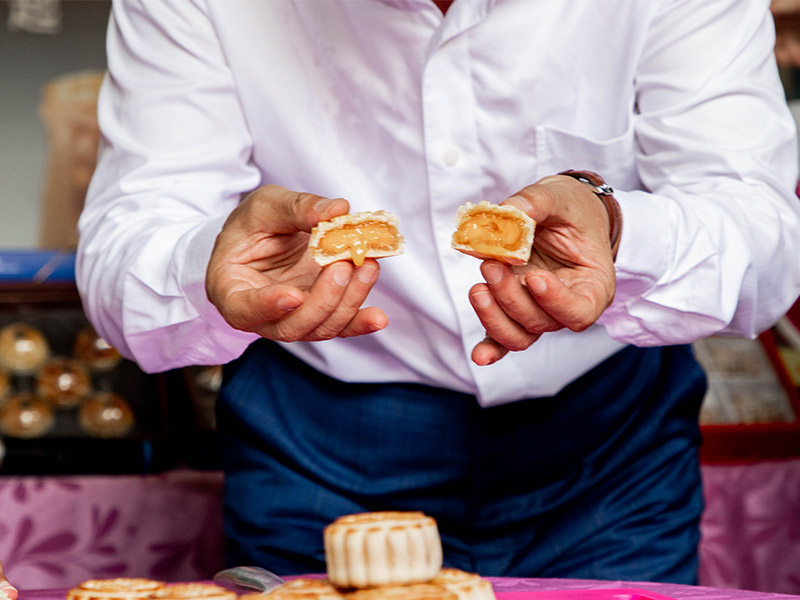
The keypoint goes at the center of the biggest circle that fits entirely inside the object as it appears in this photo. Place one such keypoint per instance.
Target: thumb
(273, 209)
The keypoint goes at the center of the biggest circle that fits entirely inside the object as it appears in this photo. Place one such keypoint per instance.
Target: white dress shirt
(677, 103)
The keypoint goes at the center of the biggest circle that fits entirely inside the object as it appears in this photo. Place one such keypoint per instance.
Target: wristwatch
(606, 194)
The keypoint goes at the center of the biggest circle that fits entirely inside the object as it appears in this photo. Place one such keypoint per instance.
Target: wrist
(605, 194)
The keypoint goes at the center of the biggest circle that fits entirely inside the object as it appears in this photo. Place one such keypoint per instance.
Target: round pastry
(63, 382)
(25, 416)
(5, 386)
(93, 350)
(191, 591)
(467, 586)
(382, 548)
(106, 415)
(418, 591)
(23, 348)
(120, 588)
(304, 588)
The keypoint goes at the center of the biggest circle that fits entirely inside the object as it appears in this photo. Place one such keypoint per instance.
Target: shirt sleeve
(174, 160)
(713, 245)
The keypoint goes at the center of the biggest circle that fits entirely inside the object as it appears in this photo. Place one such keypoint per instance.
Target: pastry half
(305, 588)
(382, 548)
(417, 591)
(194, 591)
(498, 231)
(119, 588)
(354, 237)
(467, 586)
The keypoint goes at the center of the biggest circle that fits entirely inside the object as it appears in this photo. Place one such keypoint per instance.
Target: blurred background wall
(28, 61)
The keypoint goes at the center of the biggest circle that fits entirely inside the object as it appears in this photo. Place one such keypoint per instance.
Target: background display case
(752, 408)
(69, 403)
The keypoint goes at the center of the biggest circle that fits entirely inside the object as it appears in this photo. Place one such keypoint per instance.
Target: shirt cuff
(645, 246)
(199, 245)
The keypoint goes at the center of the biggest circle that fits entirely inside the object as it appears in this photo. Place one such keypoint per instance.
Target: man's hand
(7, 591)
(568, 282)
(262, 279)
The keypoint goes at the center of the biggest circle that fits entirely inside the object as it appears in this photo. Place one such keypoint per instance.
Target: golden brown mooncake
(23, 348)
(355, 237)
(63, 382)
(94, 351)
(304, 588)
(119, 588)
(382, 548)
(106, 415)
(416, 591)
(497, 231)
(26, 416)
(193, 591)
(467, 586)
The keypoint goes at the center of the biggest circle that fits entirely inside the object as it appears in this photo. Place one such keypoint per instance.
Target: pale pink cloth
(57, 531)
(751, 526)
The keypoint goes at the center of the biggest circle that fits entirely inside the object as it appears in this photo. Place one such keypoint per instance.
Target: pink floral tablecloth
(566, 589)
(57, 531)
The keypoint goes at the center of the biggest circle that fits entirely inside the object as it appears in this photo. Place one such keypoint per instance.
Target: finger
(502, 328)
(575, 306)
(359, 286)
(367, 320)
(515, 299)
(320, 303)
(276, 210)
(487, 351)
(251, 308)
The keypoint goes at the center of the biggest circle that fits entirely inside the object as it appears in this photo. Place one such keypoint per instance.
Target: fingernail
(481, 299)
(520, 202)
(366, 273)
(287, 303)
(537, 285)
(323, 205)
(493, 273)
(341, 275)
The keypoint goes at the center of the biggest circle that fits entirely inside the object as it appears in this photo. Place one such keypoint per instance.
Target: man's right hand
(262, 278)
(7, 591)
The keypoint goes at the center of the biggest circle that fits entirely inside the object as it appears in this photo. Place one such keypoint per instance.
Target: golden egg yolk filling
(358, 239)
(490, 233)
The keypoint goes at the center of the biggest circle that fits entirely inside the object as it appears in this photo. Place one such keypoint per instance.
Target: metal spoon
(248, 579)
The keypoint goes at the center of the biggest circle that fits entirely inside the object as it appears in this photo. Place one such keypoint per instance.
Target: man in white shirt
(547, 417)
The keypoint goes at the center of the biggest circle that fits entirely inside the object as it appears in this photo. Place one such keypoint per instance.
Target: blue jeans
(600, 481)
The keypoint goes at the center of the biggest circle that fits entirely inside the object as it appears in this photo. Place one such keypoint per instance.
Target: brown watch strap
(606, 194)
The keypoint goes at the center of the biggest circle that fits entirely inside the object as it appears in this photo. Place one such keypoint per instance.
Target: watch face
(605, 190)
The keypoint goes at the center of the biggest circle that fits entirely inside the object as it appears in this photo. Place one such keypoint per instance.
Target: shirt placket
(452, 152)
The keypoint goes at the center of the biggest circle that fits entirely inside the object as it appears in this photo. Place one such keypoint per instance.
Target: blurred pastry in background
(25, 416)
(106, 415)
(119, 588)
(68, 110)
(23, 348)
(193, 591)
(5, 386)
(94, 351)
(63, 382)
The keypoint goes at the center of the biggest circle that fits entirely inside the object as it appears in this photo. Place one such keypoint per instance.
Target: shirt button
(451, 157)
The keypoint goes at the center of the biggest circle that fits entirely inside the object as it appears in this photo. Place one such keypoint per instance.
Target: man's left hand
(567, 283)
